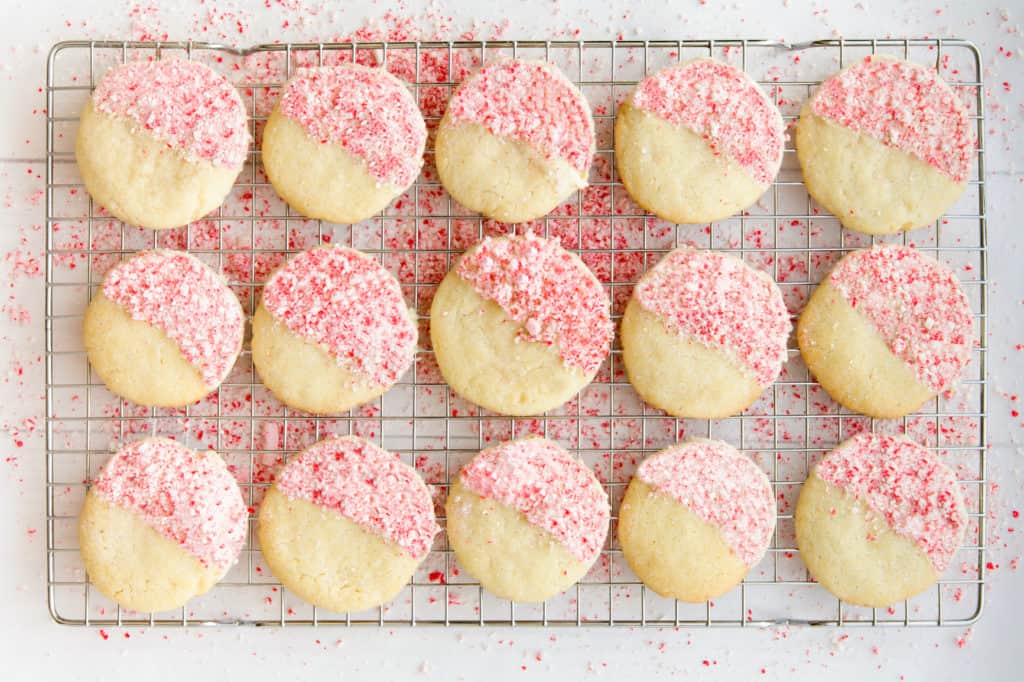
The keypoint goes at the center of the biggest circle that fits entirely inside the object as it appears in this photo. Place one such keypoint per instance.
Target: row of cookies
(520, 325)
(885, 144)
(345, 525)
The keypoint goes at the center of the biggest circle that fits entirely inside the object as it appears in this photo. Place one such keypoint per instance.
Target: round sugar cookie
(161, 524)
(695, 519)
(160, 143)
(526, 519)
(704, 334)
(698, 141)
(887, 330)
(885, 145)
(519, 325)
(516, 139)
(164, 330)
(345, 524)
(332, 331)
(879, 519)
(343, 142)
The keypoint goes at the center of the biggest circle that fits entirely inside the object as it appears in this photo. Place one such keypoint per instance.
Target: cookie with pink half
(160, 143)
(343, 142)
(704, 334)
(161, 524)
(519, 325)
(163, 330)
(696, 517)
(887, 330)
(885, 145)
(879, 520)
(331, 331)
(698, 141)
(516, 140)
(345, 524)
(526, 519)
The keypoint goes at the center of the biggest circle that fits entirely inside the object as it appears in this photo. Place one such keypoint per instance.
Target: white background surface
(33, 648)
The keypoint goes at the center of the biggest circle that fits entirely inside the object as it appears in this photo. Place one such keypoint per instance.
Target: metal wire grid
(81, 432)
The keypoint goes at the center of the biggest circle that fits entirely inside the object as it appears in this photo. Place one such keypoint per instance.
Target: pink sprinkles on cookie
(555, 492)
(724, 106)
(368, 112)
(905, 106)
(541, 285)
(531, 102)
(917, 305)
(368, 486)
(722, 487)
(723, 303)
(349, 304)
(906, 485)
(185, 104)
(187, 301)
(187, 497)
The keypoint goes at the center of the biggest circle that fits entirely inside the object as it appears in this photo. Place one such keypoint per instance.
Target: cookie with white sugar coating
(526, 519)
(164, 329)
(698, 142)
(343, 142)
(160, 143)
(345, 524)
(695, 519)
(519, 325)
(879, 519)
(161, 524)
(885, 145)
(331, 331)
(704, 334)
(516, 139)
(887, 330)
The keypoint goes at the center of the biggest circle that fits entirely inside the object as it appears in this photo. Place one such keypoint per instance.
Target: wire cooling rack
(417, 238)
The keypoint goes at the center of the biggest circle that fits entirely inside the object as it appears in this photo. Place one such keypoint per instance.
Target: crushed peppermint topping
(724, 106)
(184, 104)
(350, 305)
(189, 498)
(552, 293)
(905, 106)
(723, 303)
(722, 487)
(187, 301)
(367, 485)
(554, 491)
(532, 102)
(906, 485)
(368, 112)
(916, 304)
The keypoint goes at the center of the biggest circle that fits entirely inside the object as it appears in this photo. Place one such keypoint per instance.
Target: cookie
(516, 140)
(163, 330)
(161, 524)
(879, 519)
(887, 330)
(696, 517)
(332, 331)
(160, 143)
(343, 142)
(519, 325)
(526, 519)
(704, 334)
(885, 145)
(698, 142)
(345, 524)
